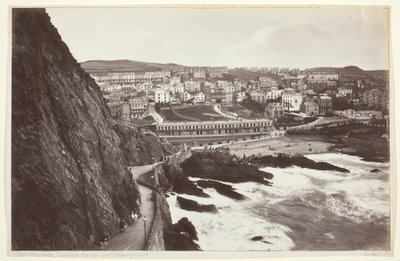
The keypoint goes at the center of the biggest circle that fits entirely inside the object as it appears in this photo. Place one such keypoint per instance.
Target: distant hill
(93, 66)
(122, 66)
(352, 70)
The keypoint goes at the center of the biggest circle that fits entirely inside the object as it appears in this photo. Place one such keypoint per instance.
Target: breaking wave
(304, 209)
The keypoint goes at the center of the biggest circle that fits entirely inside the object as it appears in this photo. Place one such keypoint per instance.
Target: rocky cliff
(70, 183)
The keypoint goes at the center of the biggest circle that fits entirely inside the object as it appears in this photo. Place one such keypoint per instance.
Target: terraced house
(235, 127)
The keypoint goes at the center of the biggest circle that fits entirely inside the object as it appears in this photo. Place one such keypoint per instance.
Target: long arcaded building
(215, 128)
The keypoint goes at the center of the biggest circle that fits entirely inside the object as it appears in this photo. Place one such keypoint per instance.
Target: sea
(304, 209)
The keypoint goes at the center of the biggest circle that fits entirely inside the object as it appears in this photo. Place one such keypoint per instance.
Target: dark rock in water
(260, 238)
(284, 160)
(70, 184)
(192, 205)
(375, 170)
(222, 189)
(181, 236)
(183, 185)
(218, 166)
(257, 238)
(185, 225)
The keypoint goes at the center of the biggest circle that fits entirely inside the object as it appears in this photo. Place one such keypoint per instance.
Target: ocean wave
(304, 209)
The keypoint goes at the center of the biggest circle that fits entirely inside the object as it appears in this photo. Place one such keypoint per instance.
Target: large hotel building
(205, 128)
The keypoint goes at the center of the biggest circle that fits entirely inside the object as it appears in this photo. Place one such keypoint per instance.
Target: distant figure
(103, 242)
(122, 225)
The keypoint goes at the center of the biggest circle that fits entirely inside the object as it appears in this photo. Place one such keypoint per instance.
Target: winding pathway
(133, 237)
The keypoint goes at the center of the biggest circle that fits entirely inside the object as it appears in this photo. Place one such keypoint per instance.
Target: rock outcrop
(191, 205)
(284, 160)
(223, 189)
(70, 183)
(220, 166)
(181, 236)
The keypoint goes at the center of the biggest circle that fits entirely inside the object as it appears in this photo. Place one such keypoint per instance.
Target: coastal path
(133, 237)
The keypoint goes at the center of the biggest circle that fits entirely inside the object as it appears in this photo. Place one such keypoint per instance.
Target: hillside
(350, 70)
(121, 66)
(250, 75)
(70, 184)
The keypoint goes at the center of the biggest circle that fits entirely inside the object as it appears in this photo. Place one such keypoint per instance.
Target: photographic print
(200, 128)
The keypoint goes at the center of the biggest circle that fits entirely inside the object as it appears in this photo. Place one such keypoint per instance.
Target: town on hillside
(187, 101)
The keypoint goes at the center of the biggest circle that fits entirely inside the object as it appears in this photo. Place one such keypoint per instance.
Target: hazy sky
(281, 37)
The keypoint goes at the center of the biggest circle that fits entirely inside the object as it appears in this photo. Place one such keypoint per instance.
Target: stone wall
(162, 216)
(155, 240)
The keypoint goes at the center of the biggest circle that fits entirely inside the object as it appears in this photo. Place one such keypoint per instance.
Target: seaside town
(179, 100)
(113, 151)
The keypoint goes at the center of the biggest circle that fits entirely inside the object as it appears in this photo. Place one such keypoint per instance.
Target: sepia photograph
(264, 129)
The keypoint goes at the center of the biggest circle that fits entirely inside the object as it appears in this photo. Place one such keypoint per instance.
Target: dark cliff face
(70, 183)
(139, 149)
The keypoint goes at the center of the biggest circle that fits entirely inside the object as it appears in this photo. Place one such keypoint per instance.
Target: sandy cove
(293, 145)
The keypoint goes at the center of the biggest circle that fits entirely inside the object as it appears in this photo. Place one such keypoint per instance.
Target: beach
(300, 145)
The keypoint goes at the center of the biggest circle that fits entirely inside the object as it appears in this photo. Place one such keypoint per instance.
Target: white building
(177, 88)
(187, 96)
(199, 97)
(229, 98)
(175, 80)
(161, 96)
(229, 88)
(192, 86)
(291, 99)
(321, 76)
(273, 94)
(240, 96)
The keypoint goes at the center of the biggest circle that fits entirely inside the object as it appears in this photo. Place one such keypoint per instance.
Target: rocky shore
(283, 161)
(220, 165)
(211, 167)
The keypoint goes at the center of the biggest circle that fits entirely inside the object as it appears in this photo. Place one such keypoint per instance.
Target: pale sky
(233, 37)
